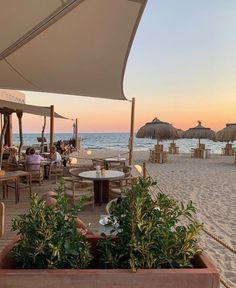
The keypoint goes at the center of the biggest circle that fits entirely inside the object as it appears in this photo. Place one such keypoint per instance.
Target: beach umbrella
(199, 132)
(158, 130)
(227, 134)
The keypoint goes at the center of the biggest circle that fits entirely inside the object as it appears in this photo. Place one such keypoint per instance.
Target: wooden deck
(89, 215)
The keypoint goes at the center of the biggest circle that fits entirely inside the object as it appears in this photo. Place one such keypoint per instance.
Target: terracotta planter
(204, 275)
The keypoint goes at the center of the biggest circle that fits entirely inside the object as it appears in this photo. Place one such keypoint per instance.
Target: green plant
(150, 233)
(48, 236)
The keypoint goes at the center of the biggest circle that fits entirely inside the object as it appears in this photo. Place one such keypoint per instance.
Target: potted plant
(149, 236)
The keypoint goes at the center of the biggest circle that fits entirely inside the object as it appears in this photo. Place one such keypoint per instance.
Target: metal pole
(51, 125)
(131, 138)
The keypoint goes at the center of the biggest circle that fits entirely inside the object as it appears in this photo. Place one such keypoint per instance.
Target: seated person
(54, 155)
(27, 151)
(33, 160)
(12, 161)
(60, 147)
(13, 158)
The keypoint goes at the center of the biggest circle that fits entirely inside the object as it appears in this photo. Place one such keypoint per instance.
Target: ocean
(119, 141)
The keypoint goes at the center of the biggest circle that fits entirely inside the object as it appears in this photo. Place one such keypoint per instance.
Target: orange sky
(182, 68)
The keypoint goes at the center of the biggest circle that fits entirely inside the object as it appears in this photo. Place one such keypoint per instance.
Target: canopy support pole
(51, 125)
(19, 116)
(131, 137)
(42, 135)
(76, 135)
(3, 132)
(8, 134)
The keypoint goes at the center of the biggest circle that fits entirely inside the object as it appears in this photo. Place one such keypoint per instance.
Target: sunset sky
(182, 68)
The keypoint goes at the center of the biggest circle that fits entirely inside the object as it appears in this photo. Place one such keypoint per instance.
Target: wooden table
(101, 183)
(17, 185)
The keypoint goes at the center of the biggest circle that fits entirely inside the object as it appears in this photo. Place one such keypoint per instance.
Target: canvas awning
(77, 47)
(25, 108)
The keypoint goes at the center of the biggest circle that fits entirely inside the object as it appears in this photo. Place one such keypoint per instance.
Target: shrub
(149, 233)
(48, 236)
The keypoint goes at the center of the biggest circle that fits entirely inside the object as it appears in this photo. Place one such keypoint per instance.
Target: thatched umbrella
(158, 130)
(199, 132)
(227, 134)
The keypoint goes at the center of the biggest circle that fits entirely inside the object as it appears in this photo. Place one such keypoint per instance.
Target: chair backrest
(32, 167)
(99, 162)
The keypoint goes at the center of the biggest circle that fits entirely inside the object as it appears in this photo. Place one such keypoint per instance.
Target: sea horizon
(118, 141)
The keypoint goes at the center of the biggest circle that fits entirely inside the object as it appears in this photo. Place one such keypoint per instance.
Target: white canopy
(25, 108)
(77, 47)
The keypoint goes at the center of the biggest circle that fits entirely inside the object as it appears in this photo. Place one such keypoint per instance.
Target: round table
(101, 183)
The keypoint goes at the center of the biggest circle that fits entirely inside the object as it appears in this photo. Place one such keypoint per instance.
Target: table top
(14, 174)
(115, 159)
(108, 175)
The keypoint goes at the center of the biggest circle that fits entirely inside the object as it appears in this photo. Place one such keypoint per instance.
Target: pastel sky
(182, 68)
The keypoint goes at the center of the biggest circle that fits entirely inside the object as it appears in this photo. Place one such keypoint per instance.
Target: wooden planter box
(204, 275)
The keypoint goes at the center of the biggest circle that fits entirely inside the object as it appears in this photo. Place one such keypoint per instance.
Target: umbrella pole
(42, 135)
(131, 137)
(19, 116)
(3, 132)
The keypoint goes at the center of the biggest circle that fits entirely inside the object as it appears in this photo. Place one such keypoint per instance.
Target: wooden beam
(42, 135)
(131, 138)
(3, 132)
(76, 134)
(19, 115)
(8, 134)
(52, 126)
(2, 218)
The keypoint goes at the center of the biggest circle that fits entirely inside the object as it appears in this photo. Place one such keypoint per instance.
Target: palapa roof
(227, 134)
(157, 130)
(199, 132)
(76, 47)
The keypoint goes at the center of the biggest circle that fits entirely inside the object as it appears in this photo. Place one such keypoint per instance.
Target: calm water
(119, 141)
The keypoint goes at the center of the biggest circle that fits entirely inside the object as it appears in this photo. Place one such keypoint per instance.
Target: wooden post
(131, 138)
(3, 132)
(42, 135)
(2, 218)
(52, 125)
(76, 135)
(8, 134)
(144, 170)
(19, 115)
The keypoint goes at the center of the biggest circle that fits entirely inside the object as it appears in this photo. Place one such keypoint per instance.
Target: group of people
(33, 159)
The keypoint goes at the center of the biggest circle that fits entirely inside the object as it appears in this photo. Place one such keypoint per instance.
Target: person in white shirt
(55, 156)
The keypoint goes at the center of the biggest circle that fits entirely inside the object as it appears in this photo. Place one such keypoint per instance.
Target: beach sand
(211, 185)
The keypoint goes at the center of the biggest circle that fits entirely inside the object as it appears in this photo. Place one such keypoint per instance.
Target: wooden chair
(118, 188)
(56, 170)
(36, 171)
(99, 162)
(75, 189)
(25, 182)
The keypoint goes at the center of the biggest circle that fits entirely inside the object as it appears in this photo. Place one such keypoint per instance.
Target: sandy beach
(211, 185)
